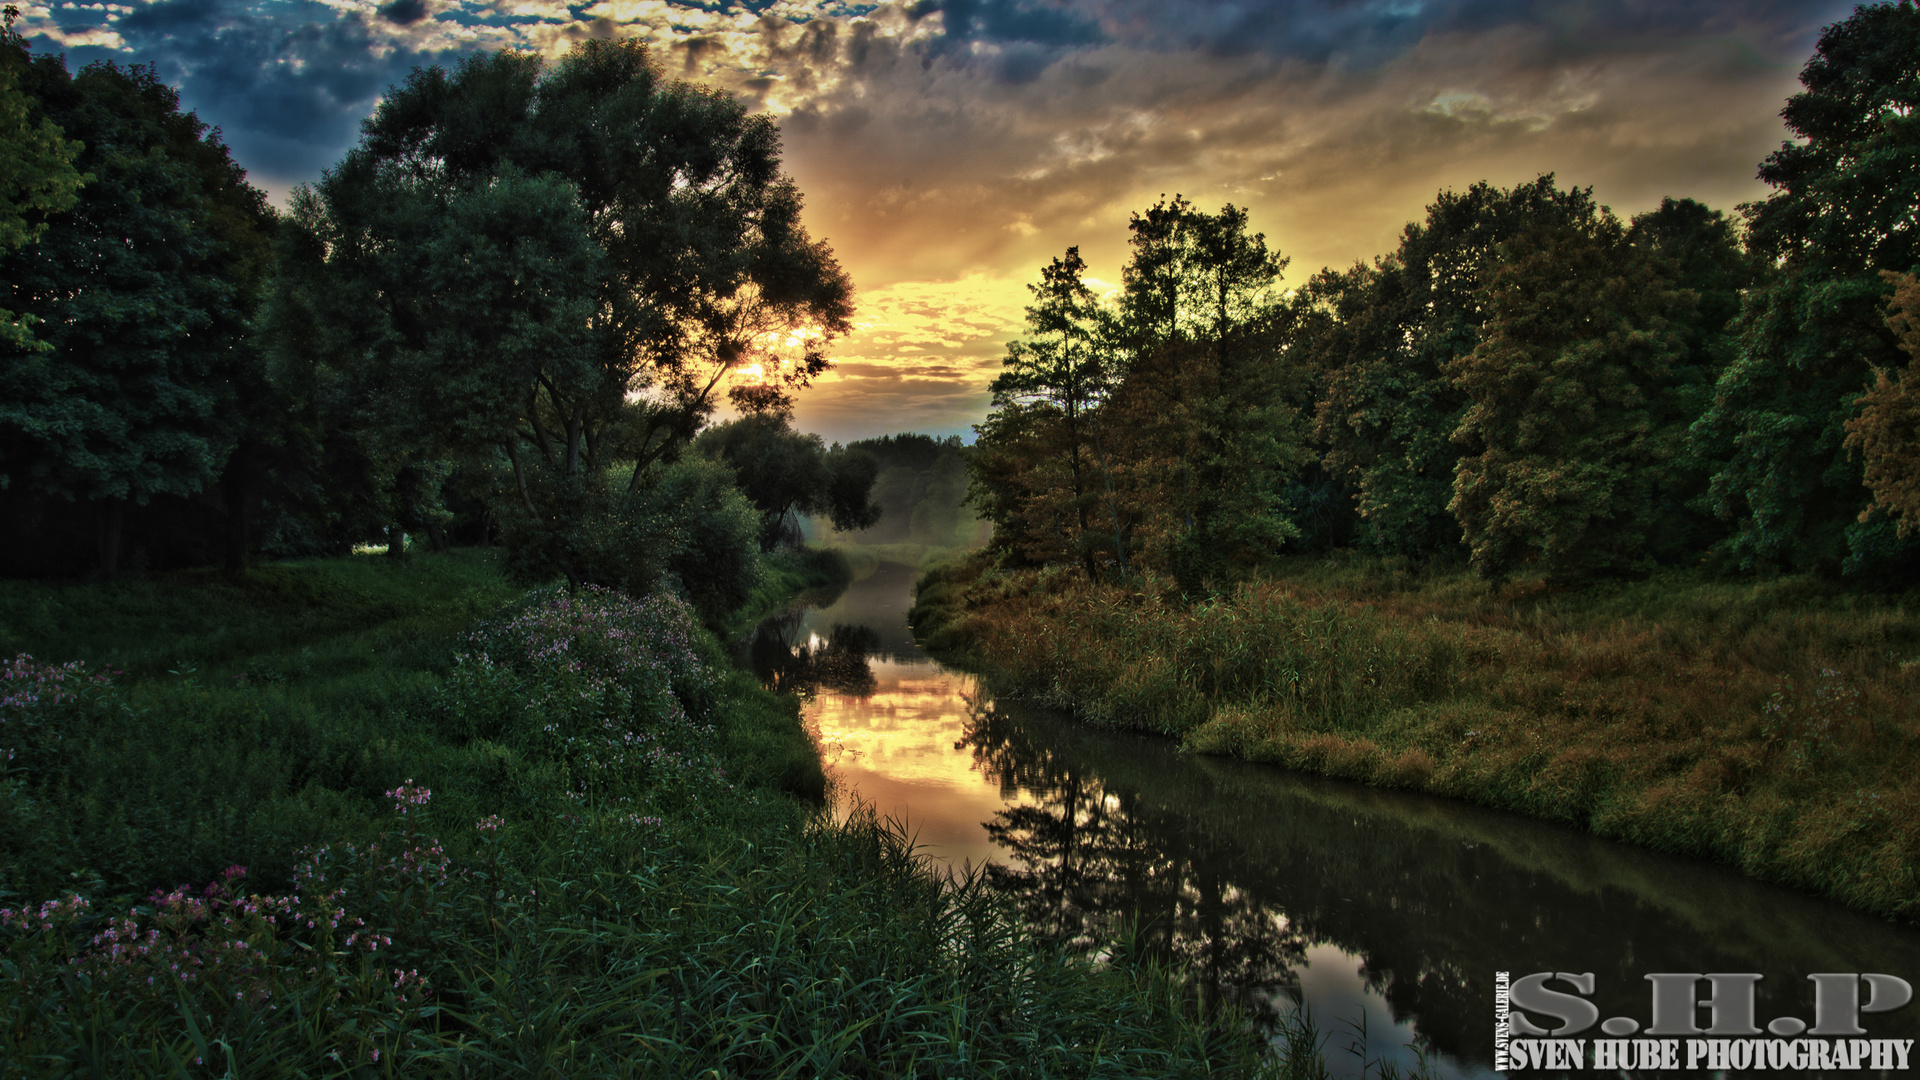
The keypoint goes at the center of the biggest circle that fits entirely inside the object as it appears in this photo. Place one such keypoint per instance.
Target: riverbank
(1770, 726)
(346, 817)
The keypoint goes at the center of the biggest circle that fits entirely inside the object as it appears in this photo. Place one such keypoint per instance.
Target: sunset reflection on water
(1385, 912)
(902, 749)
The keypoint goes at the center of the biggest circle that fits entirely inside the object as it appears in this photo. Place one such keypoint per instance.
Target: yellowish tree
(1886, 434)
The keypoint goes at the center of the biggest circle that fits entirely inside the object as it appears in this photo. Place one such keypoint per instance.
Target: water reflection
(1267, 887)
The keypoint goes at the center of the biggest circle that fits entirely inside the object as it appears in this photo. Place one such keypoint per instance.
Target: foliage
(37, 176)
(1811, 335)
(1163, 428)
(1772, 727)
(1050, 492)
(1382, 339)
(1565, 444)
(786, 473)
(142, 290)
(560, 267)
(1887, 432)
(1210, 399)
(556, 896)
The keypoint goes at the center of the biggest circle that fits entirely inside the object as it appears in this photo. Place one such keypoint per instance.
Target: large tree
(566, 266)
(1845, 206)
(1566, 439)
(1388, 408)
(141, 291)
(1059, 499)
(1208, 396)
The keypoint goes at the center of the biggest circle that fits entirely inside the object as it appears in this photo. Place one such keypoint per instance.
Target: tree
(1057, 379)
(1843, 209)
(785, 473)
(1387, 408)
(1886, 434)
(37, 177)
(566, 266)
(1704, 256)
(1209, 398)
(141, 291)
(1564, 443)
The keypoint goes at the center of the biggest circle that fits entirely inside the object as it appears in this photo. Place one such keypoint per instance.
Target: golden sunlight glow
(897, 749)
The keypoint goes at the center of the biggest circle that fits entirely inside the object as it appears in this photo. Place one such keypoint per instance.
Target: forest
(1527, 384)
(1607, 522)
(502, 318)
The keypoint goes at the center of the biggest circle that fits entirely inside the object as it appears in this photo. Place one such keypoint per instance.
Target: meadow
(369, 817)
(1769, 724)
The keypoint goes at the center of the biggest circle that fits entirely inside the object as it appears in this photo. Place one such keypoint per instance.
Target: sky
(947, 149)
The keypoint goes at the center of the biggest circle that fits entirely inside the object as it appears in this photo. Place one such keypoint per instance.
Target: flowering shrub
(41, 706)
(609, 685)
(342, 950)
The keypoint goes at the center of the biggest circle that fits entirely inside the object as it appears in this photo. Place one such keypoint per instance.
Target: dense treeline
(1527, 382)
(921, 489)
(504, 316)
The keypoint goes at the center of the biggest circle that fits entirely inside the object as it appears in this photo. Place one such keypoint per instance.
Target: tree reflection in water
(783, 661)
(1246, 878)
(1090, 866)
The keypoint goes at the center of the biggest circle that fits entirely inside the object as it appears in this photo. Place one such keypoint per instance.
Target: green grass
(1771, 725)
(598, 885)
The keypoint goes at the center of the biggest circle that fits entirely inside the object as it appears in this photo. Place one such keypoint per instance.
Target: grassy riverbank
(1769, 725)
(347, 818)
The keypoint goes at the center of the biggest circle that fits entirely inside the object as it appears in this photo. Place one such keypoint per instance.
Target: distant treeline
(1526, 382)
(921, 489)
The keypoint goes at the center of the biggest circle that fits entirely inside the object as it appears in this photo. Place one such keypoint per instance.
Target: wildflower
(407, 795)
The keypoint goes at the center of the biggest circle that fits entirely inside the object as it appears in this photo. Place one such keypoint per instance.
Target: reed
(1771, 725)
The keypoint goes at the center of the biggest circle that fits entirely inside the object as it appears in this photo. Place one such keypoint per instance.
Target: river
(1388, 914)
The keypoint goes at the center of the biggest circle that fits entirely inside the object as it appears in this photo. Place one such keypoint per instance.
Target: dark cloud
(404, 12)
(1008, 20)
(287, 83)
(1021, 40)
(1368, 33)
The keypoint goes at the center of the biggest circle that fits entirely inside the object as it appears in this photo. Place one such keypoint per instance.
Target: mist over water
(1267, 888)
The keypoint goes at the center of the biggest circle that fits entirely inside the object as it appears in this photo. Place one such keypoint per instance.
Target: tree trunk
(396, 541)
(437, 538)
(113, 514)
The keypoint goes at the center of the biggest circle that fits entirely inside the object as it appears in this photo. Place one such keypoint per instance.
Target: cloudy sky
(949, 148)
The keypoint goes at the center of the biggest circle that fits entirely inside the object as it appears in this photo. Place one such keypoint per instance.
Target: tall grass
(1772, 725)
(566, 842)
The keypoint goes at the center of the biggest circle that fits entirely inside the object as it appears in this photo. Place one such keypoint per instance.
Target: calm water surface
(1380, 910)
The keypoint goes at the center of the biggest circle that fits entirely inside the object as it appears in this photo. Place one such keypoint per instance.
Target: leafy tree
(417, 324)
(1704, 256)
(1388, 408)
(1059, 377)
(142, 291)
(37, 176)
(1842, 211)
(1565, 442)
(1886, 434)
(785, 473)
(1208, 397)
(565, 267)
